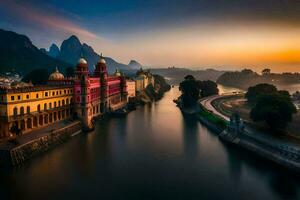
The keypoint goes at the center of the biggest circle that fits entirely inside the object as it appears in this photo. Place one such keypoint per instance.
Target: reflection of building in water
(236, 124)
(86, 96)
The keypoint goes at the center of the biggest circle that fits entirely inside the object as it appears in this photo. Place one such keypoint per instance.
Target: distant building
(131, 84)
(143, 79)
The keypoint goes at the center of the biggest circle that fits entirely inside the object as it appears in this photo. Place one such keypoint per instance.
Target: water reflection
(153, 153)
(190, 136)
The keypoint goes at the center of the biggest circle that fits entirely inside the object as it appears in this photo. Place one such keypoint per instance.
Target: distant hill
(72, 49)
(246, 78)
(17, 53)
(53, 51)
(175, 75)
(134, 64)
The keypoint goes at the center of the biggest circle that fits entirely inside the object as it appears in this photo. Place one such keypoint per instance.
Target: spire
(56, 69)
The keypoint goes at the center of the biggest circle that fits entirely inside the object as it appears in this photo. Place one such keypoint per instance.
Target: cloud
(45, 18)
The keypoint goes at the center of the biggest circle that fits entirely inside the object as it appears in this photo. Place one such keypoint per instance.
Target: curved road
(207, 103)
(285, 143)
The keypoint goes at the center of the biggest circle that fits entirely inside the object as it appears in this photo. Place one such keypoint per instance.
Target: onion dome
(100, 67)
(82, 61)
(101, 60)
(82, 65)
(56, 75)
(117, 72)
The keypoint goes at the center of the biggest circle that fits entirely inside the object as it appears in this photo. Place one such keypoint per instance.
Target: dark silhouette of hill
(134, 64)
(246, 78)
(72, 49)
(17, 53)
(174, 75)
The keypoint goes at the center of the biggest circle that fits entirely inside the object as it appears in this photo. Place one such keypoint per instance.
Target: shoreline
(284, 156)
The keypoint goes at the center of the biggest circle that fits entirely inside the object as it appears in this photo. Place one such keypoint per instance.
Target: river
(153, 153)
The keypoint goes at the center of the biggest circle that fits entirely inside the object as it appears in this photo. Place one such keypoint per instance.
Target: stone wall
(24, 152)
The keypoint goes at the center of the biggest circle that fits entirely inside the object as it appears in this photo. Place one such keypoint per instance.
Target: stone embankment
(276, 151)
(14, 155)
(284, 156)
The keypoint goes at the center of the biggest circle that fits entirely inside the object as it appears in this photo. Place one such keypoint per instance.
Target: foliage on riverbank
(156, 91)
(220, 123)
(193, 89)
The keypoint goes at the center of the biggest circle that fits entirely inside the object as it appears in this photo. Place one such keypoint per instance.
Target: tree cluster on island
(193, 89)
(247, 78)
(269, 105)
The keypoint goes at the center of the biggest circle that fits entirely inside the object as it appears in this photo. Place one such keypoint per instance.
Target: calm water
(154, 153)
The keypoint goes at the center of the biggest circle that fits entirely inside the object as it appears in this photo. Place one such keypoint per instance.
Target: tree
(37, 76)
(70, 72)
(266, 72)
(254, 92)
(190, 91)
(208, 88)
(276, 110)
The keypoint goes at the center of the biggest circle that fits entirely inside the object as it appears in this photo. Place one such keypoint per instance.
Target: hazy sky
(229, 34)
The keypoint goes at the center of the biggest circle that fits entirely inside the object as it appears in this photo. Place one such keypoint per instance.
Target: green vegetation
(70, 71)
(213, 118)
(37, 76)
(271, 106)
(208, 88)
(192, 89)
(254, 92)
(157, 91)
(276, 110)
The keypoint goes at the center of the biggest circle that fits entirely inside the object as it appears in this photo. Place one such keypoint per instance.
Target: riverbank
(284, 153)
(23, 148)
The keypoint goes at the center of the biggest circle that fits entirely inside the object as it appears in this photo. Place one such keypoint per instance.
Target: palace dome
(117, 73)
(102, 60)
(56, 75)
(82, 61)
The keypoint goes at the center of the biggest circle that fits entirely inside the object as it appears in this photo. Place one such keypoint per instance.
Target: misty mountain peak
(134, 64)
(53, 51)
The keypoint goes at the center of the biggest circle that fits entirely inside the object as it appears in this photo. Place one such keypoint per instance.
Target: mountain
(174, 75)
(134, 64)
(72, 49)
(53, 51)
(17, 53)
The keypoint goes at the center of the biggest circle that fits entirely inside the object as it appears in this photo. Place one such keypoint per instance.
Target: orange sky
(216, 45)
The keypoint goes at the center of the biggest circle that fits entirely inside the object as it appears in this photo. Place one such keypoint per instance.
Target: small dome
(117, 73)
(82, 61)
(102, 60)
(56, 75)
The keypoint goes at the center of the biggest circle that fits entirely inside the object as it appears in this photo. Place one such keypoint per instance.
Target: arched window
(22, 110)
(50, 105)
(59, 103)
(39, 108)
(45, 106)
(63, 102)
(54, 104)
(15, 111)
(67, 101)
(28, 109)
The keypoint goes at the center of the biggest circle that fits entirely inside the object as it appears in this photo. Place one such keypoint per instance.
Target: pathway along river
(153, 153)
